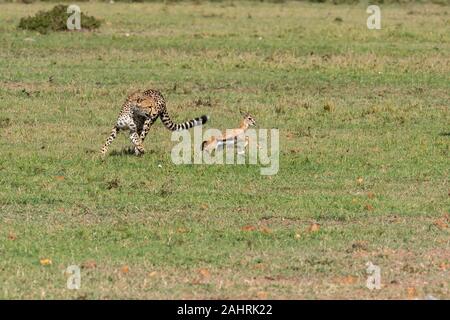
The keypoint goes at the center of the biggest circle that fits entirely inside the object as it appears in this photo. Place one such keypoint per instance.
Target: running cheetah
(140, 110)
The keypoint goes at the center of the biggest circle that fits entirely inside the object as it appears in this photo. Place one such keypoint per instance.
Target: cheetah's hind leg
(109, 140)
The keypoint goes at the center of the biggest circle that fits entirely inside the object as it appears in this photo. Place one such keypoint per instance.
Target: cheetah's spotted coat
(140, 110)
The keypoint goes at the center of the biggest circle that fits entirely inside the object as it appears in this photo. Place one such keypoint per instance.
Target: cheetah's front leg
(145, 129)
(147, 125)
(137, 142)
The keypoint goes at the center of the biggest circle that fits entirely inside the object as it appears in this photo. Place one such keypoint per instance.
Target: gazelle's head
(249, 120)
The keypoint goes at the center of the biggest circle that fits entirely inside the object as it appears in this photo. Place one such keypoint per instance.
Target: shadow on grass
(444, 134)
(128, 151)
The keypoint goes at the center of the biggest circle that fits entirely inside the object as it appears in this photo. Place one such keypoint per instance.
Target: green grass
(389, 125)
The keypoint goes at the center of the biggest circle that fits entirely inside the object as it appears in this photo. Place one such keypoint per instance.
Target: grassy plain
(364, 131)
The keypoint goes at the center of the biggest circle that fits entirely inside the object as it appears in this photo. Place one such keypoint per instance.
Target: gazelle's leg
(241, 146)
(210, 145)
(110, 139)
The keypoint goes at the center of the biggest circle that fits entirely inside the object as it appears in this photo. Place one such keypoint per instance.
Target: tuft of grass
(55, 20)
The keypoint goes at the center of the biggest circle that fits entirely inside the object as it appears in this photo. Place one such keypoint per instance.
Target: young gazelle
(231, 136)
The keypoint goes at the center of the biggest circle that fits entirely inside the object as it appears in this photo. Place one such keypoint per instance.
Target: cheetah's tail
(165, 118)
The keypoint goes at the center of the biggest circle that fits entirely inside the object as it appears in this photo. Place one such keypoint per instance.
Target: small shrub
(55, 20)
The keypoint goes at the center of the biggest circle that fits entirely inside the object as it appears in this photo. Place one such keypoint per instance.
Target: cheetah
(139, 111)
